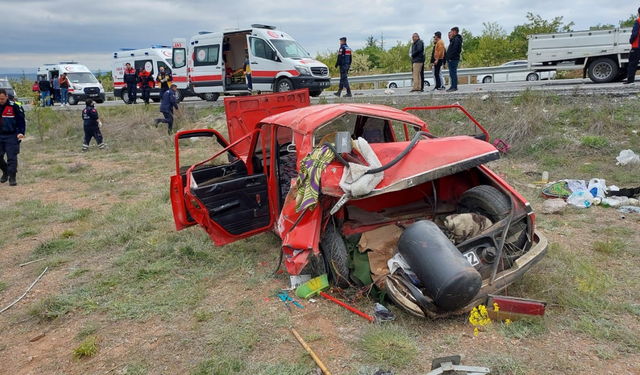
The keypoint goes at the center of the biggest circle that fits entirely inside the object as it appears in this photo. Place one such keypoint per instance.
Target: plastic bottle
(545, 177)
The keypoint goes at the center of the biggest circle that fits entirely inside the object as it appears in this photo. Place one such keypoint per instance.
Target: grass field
(125, 293)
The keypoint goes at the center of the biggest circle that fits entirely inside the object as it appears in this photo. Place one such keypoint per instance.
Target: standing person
(52, 94)
(246, 67)
(417, 62)
(56, 89)
(438, 59)
(164, 80)
(12, 129)
(92, 125)
(64, 89)
(344, 62)
(167, 105)
(453, 57)
(36, 92)
(146, 82)
(45, 91)
(634, 53)
(130, 82)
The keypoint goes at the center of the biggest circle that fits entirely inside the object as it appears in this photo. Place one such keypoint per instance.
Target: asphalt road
(561, 87)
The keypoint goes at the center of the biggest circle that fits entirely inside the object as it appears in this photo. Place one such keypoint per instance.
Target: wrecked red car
(328, 178)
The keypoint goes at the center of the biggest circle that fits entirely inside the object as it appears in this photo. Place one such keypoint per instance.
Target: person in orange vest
(146, 82)
(634, 53)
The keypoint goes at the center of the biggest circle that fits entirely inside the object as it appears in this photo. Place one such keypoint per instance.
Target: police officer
(130, 82)
(146, 83)
(344, 62)
(91, 125)
(12, 129)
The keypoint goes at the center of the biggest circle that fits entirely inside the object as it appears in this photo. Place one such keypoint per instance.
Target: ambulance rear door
(264, 62)
(178, 58)
(206, 72)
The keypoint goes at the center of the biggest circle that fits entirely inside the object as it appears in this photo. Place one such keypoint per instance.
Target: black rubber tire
(125, 97)
(99, 101)
(156, 100)
(393, 85)
(334, 251)
(426, 83)
(315, 94)
(603, 70)
(72, 100)
(179, 96)
(487, 79)
(621, 75)
(533, 77)
(283, 85)
(210, 96)
(490, 202)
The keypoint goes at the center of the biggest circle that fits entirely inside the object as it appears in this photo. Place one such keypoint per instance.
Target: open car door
(245, 112)
(195, 146)
(232, 201)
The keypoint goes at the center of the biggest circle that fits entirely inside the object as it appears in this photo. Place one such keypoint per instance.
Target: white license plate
(471, 257)
(326, 83)
(94, 95)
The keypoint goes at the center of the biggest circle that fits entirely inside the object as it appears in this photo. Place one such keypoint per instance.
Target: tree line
(494, 46)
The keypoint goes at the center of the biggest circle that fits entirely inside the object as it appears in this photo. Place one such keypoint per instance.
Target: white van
(151, 59)
(278, 63)
(84, 84)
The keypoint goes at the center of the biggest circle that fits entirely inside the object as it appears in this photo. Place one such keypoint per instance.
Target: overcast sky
(88, 31)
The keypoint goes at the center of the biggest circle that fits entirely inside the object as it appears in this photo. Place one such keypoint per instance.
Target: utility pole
(382, 40)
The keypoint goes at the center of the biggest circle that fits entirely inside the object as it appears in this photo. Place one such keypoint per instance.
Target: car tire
(210, 96)
(179, 96)
(99, 101)
(533, 77)
(603, 70)
(334, 251)
(283, 85)
(72, 100)
(156, 100)
(393, 85)
(315, 94)
(426, 83)
(493, 204)
(125, 97)
(487, 79)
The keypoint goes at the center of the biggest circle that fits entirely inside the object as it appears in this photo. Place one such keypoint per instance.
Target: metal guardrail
(467, 72)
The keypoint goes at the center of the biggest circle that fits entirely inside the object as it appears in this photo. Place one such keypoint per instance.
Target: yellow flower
(507, 322)
(475, 331)
(495, 307)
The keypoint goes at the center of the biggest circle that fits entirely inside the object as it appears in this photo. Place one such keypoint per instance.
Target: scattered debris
(36, 338)
(485, 97)
(501, 145)
(451, 365)
(629, 209)
(25, 293)
(382, 314)
(554, 206)
(313, 355)
(580, 199)
(627, 157)
(514, 308)
(33, 261)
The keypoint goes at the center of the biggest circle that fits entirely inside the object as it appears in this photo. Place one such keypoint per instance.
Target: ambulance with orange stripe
(214, 62)
(151, 59)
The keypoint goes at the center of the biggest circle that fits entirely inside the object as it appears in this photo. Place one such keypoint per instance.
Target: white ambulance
(278, 63)
(84, 84)
(151, 59)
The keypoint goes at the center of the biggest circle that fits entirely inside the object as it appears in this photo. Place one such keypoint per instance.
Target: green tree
(470, 45)
(493, 47)
(329, 59)
(629, 21)
(602, 27)
(536, 25)
(396, 59)
(373, 51)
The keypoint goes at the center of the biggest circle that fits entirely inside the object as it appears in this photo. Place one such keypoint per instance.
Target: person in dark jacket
(12, 129)
(92, 125)
(417, 62)
(146, 82)
(131, 82)
(344, 63)
(634, 53)
(167, 105)
(45, 91)
(453, 57)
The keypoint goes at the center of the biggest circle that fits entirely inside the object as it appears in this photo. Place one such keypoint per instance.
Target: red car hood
(430, 159)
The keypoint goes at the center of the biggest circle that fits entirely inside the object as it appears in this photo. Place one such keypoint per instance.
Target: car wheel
(156, 100)
(603, 70)
(532, 77)
(210, 96)
(284, 84)
(426, 83)
(393, 85)
(493, 204)
(487, 79)
(125, 97)
(99, 101)
(334, 252)
(179, 96)
(315, 94)
(72, 100)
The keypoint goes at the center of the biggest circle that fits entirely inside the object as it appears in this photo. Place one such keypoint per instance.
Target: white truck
(603, 55)
(214, 62)
(84, 84)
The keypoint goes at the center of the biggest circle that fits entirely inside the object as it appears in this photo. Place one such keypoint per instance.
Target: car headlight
(303, 70)
(76, 87)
